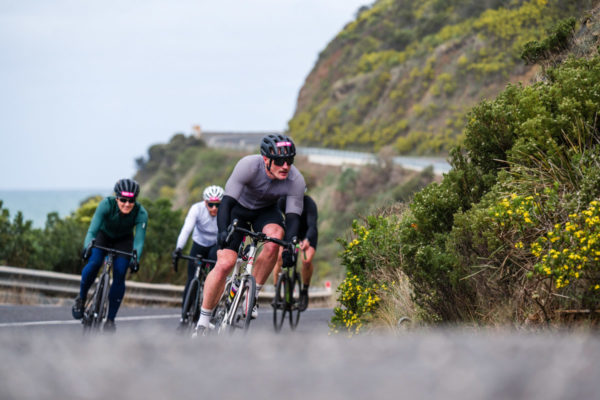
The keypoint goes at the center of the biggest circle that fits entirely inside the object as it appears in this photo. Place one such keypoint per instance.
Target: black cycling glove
(134, 266)
(222, 239)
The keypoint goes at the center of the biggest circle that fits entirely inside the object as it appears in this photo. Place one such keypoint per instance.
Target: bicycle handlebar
(260, 236)
(199, 260)
(133, 254)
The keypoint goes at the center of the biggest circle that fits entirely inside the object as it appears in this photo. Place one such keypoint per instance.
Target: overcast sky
(87, 86)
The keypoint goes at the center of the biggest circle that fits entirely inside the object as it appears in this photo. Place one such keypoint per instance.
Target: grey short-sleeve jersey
(250, 185)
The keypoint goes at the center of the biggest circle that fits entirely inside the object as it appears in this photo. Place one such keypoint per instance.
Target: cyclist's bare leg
(215, 280)
(307, 265)
(277, 268)
(268, 256)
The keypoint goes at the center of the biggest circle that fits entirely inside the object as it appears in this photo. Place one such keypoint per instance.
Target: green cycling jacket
(115, 225)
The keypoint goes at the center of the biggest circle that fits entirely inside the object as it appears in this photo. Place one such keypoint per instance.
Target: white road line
(69, 322)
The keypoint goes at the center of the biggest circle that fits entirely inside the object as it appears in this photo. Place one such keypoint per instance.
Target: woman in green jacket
(113, 226)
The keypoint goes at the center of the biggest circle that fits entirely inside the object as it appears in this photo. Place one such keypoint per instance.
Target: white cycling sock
(258, 287)
(205, 316)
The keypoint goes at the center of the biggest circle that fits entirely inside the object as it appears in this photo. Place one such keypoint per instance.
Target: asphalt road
(147, 360)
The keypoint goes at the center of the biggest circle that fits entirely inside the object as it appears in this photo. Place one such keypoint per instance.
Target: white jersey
(203, 224)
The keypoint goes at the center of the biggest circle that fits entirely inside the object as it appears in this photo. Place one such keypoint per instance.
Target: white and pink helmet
(213, 193)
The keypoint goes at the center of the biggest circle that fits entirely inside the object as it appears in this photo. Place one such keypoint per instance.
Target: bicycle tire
(279, 305)
(103, 302)
(243, 303)
(187, 309)
(92, 309)
(294, 295)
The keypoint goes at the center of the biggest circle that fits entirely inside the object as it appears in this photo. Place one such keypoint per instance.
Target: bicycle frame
(227, 314)
(241, 276)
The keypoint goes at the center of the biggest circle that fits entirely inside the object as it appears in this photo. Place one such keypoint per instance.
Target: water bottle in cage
(234, 287)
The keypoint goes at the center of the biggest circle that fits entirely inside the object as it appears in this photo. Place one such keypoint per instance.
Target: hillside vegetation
(512, 233)
(406, 72)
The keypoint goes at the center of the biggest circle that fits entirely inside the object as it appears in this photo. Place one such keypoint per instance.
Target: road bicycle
(234, 310)
(287, 296)
(190, 308)
(96, 308)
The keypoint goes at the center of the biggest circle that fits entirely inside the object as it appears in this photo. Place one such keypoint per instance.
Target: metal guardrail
(32, 283)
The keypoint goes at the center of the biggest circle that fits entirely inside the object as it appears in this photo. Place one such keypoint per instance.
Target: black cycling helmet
(277, 146)
(127, 188)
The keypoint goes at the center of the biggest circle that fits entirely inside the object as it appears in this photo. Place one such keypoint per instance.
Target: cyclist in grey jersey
(250, 185)
(251, 195)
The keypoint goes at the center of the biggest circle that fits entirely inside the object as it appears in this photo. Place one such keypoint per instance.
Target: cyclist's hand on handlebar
(85, 253)
(222, 238)
(288, 258)
(134, 265)
(175, 255)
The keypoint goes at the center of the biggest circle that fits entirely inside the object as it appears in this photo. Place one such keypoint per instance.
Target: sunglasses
(280, 161)
(126, 200)
(211, 205)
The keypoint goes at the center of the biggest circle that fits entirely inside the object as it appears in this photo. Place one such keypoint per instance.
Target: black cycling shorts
(254, 220)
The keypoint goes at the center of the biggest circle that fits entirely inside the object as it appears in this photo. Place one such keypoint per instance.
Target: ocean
(36, 204)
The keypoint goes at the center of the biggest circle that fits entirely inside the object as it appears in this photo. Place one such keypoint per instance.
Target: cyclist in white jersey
(202, 219)
(251, 195)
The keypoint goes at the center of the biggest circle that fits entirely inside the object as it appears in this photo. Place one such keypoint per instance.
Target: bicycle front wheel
(243, 303)
(92, 316)
(103, 301)
(279, 303)
(190, 305)
(294, 295)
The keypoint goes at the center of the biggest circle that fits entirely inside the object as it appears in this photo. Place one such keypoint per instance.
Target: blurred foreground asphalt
(147, 360)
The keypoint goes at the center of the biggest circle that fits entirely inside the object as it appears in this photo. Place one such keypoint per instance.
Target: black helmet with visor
(127, 189)
(279, 148)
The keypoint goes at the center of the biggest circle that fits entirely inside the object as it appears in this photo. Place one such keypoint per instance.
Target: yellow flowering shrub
(359, 303)
(373, 246)
(569, 254)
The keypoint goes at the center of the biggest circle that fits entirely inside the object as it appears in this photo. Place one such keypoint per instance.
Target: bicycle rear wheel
(243, 303)
(294, 295)
(279, 304)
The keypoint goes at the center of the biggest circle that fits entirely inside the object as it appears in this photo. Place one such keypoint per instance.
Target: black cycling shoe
(77, 309)
(109, 326)
(303, 300)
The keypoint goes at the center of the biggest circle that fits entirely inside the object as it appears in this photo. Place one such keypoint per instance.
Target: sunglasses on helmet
(126, 199)
(279, 161)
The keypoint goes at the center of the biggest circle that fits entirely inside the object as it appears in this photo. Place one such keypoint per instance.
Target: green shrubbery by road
(58, 246)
